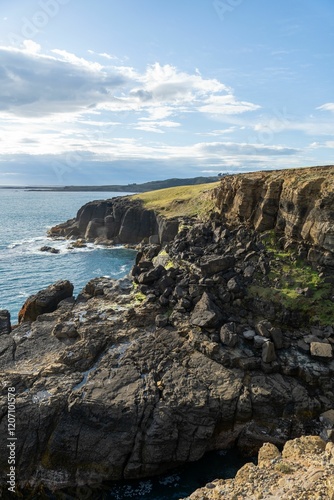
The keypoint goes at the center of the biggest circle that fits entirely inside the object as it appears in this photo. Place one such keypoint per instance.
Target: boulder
(320, 349)
(228, 335)
(206, 314)
(215, 265)
(49, 249)
(151, 276)
(268, 352)
(45, 301)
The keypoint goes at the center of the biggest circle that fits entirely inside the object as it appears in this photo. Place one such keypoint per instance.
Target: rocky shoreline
(222, 336)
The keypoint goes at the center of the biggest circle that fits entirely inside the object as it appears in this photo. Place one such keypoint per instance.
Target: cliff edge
(297, 204)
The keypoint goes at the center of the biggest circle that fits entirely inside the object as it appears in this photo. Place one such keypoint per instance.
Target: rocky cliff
(297, 204)
(115, 221)
(216, 339)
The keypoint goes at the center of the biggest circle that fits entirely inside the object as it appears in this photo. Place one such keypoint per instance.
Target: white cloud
(329, 106)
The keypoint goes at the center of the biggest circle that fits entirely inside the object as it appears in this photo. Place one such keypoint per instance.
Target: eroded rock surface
(140, 375)
(303, 471)
(297, 203)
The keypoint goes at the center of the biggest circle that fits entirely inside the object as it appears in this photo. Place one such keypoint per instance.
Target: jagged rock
(49, 249)
(45, 301)
(206, 314)
(263, 328)
(321, 349)
(228, 335)
(152, 275)
(267, 453)
(215, 265)
(303, 471)
(268, 352)
(5, 326)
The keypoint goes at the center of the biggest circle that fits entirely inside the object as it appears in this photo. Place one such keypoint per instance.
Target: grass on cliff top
(289, 277)
(180, 201)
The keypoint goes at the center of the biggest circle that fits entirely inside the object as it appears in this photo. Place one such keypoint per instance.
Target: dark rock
(161, 320)
(215, 265)
(49, 249)
(5, 326)
(206, 314)
(268, 352)
(228, 335)
(45, 301)
(151, 276)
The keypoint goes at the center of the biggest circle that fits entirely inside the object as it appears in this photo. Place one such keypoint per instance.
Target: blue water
(25, 217)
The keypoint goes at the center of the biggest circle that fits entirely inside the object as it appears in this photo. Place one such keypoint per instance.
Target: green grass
(181, 201)
(289, 276)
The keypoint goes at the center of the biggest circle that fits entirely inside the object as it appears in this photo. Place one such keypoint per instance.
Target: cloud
(35, 84)
(329, 106)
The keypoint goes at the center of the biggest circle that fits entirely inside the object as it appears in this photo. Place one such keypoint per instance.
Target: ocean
(24, 269)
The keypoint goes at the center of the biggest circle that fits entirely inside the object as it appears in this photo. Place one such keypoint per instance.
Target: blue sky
(111, 91)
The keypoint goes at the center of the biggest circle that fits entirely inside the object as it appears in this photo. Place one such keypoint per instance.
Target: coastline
(185, 356)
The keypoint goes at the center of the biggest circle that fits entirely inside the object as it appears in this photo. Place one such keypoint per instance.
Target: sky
(122, 91)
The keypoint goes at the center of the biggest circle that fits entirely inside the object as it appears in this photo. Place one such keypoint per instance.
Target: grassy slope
(180, 201)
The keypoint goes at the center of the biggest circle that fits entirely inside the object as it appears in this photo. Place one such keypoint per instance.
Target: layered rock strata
(298, 204)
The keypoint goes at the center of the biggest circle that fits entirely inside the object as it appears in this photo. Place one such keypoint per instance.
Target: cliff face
(118, 220)
(298, 204)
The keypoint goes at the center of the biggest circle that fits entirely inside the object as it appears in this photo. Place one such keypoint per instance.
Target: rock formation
(186, 355)
(297, 204)
(119, 220)
(304, 470)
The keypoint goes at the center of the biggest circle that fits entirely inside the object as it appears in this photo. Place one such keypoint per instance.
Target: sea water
(24, 270)
(25, 217)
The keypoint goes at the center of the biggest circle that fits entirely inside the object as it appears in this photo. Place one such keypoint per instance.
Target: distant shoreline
(122, 188)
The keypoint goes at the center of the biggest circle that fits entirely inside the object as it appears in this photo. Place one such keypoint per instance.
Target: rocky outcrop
(304, 470)
(298, 204)
(137, 376)
(119, 220)
(45, 301)
(188, 354)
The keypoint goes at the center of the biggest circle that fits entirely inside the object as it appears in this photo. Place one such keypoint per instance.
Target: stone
(45, 301)
(267, 453)
(227, 335)
(161, 320)
(268, 352)
(152, 275)
(249, 271)
(320, 349)
(215, 265)
(276, 336)
(205, 314)
(303, 447)
(249, 334)
(259, 341)
(263, 328)
(327, 418)
(49, 249)
(5, 326)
